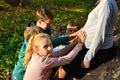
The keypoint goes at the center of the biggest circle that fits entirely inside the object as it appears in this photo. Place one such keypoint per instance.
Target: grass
(13, 21)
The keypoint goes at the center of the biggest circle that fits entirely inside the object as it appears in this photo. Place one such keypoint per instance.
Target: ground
(107, 71)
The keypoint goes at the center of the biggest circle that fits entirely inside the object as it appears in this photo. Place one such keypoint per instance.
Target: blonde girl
(40, 58)
(19, 69)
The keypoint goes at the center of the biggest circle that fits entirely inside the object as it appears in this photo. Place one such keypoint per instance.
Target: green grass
(13, 21)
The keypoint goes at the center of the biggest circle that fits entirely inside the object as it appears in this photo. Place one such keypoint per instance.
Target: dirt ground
(107, 71)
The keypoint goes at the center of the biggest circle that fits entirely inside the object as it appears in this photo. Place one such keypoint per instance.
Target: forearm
(72, 54)
(64, 51)
(67, 58)
(74, 51)
(60, 40)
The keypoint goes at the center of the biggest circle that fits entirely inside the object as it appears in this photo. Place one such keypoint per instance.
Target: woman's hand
(85, 64)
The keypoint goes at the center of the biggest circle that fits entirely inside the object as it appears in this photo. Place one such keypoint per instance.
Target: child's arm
(60, 40)
(81, 34)
(57, 61)
(63, 51)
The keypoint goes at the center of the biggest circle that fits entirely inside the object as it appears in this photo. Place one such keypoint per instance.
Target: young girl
(40, 58)
(19, 69)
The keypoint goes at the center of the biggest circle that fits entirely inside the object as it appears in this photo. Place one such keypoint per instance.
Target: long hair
(33, 45)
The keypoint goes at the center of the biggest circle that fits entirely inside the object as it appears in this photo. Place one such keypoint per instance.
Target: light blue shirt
(99, 27)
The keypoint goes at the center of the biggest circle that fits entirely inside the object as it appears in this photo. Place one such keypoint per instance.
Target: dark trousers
(102, 56)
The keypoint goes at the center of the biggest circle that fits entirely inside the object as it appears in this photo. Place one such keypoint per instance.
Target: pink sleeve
(63, 51)
(57, 61)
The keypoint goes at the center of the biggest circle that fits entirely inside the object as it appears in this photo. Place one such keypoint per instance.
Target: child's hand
(85, 64)
(73, 35)
(81, 36)
(73, 40)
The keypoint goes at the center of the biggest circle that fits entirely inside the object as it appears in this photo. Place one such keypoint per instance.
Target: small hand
(73, 40)
(85, 64)
(81, 35)
(73, 35)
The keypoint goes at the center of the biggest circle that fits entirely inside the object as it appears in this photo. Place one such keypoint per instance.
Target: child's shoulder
(31, 22)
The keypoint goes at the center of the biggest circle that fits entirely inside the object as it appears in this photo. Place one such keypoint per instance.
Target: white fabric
(99, 27)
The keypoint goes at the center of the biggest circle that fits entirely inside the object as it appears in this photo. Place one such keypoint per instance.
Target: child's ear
(36, 51)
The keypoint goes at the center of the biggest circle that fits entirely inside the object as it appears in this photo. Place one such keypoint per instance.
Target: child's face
(44, 24)
(71, 29)
(45, 47)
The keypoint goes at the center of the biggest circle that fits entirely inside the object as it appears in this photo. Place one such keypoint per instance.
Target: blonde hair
(33, 45)
(32, 30)
(44, 14)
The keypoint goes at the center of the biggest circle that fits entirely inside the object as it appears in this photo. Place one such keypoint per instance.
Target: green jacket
(19, 69)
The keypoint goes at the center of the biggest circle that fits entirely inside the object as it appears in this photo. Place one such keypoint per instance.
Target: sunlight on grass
(5, 74)
(75, 10)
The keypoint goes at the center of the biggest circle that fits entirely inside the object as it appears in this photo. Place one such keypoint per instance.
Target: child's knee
(62, 73)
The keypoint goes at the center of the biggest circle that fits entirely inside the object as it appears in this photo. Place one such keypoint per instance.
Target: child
(72, 27)
(29, 31)
(39, 58)
(19, 69)
(44, 18)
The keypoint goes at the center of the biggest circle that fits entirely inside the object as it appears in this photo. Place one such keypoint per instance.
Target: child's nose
(50, 48)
